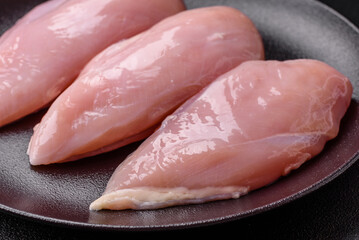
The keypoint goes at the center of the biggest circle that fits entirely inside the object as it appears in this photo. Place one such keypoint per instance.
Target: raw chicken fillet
(251, 126)
(46, 50)
(124, 93)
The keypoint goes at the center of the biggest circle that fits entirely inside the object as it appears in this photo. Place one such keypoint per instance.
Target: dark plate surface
(61, 194)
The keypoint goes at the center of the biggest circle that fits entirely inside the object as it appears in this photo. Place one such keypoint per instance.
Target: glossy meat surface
(129, 88)
(249, 127)
(46, 50)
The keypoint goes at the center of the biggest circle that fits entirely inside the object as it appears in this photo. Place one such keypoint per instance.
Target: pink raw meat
(46, 50)
(245, 130)
(129, 88)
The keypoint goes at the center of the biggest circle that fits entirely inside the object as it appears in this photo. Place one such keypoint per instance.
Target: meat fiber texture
(124, 93)
(46, 50)
(249, 127)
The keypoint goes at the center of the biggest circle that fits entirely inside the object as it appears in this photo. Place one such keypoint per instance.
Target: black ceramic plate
(61, 194)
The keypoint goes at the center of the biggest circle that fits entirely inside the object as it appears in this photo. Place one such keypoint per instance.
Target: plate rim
(212, 221)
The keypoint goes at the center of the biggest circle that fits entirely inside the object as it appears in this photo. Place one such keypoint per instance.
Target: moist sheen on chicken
(249, 127)
(46, 50)
(128, 89)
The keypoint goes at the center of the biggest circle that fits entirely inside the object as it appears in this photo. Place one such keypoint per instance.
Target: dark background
(331, 212)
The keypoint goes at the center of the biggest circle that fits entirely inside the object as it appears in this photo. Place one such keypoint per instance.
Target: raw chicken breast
(128, 89)
(245, 130)
(46, 50)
